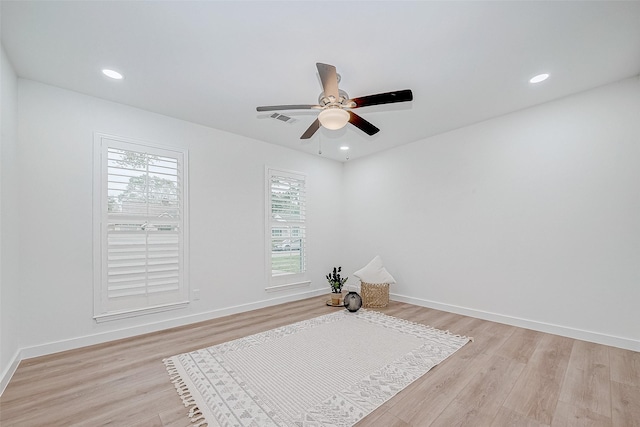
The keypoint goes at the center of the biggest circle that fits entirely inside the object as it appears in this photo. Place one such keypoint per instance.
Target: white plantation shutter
(142, 228)
(286, 216)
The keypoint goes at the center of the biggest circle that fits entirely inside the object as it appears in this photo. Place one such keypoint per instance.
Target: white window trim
(99, 207)
(289, 281)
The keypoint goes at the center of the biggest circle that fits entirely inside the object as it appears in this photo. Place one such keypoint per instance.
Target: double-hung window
(286, 228)
(140, 222)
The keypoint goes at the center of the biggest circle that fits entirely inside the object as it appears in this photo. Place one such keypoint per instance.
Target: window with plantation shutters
(286, 227)
(141, 192)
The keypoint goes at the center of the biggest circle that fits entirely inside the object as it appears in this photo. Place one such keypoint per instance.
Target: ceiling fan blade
(329, 78)
(381, 98)
(362, 124)
(311, 130)
(287, 107)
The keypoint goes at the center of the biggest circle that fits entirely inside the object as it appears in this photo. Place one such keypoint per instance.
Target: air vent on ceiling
(283, 118)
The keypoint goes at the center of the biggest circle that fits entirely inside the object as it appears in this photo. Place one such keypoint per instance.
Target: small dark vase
(352, 302)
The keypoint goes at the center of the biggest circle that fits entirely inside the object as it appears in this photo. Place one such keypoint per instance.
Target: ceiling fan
(335, 105)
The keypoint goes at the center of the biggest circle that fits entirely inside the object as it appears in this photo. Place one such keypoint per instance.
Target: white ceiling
(213, 62)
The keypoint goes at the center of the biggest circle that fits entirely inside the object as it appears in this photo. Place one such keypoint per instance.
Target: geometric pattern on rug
(331, 370)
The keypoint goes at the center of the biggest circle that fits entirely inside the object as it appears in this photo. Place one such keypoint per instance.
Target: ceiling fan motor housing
(343, 97)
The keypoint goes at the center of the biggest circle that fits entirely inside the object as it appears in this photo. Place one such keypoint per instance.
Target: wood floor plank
(435, 391)
(509, 418)
(460, 415)
(380, 418)
(568, 415)
(472, 328)
(535, 395)
(520, 345)
(625, 366)
(481, 399)
(174, 417)
(547, 380)
(490, 337)
(586, 382)
(625, 402)
(154, 421)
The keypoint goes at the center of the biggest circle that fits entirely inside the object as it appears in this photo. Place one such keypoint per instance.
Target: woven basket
(374, 295)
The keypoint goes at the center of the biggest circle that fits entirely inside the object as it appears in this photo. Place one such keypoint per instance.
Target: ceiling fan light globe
(333, 118)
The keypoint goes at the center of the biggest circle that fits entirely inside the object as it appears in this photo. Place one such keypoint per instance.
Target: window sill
(107, 317)
(285, 286)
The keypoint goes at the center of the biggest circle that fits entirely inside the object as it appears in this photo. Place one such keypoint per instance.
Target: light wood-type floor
(507, 376)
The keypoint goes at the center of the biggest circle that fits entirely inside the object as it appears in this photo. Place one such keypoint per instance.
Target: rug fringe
(195, 414)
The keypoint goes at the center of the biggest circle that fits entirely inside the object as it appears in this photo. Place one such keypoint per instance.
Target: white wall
(9, 288)
(226, 218)
(531, 219)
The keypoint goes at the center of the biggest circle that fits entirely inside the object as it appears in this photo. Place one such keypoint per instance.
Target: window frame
(102, 311)
(285, 281)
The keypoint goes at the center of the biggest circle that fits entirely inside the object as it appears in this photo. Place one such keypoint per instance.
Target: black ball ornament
(352, 302)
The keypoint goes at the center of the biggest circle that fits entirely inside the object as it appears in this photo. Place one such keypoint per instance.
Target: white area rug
(332, 370)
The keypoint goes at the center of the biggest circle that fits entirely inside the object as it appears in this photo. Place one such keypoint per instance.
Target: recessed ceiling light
(344, 148)
(539, 78)
(113, 74)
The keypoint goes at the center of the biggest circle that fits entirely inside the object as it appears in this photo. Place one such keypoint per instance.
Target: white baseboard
(83, 341)
(9, 371)
(565, 331)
